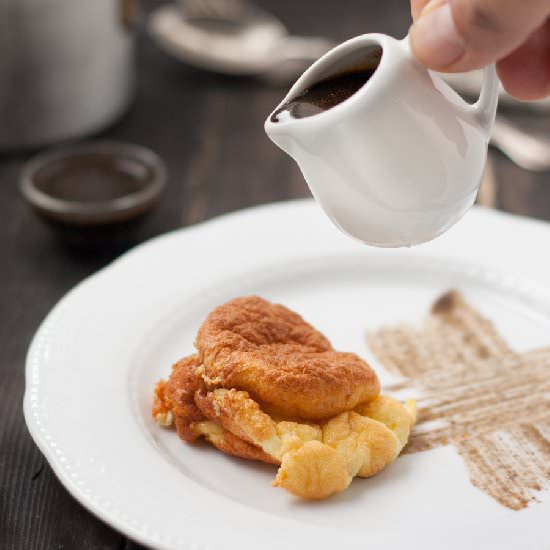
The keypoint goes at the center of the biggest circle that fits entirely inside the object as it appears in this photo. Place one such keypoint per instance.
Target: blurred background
(191, 82)
(150, 73)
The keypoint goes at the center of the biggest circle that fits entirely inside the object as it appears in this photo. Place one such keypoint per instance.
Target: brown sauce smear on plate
(476, 394)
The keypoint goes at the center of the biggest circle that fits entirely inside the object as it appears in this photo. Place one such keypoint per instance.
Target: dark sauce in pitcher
(325, 94)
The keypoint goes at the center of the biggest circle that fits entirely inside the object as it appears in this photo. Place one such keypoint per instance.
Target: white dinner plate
(93, 363)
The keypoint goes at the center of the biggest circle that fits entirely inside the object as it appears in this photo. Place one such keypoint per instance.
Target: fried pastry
(265, 385)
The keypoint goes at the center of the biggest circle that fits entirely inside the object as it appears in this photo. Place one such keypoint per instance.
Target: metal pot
(66, 68)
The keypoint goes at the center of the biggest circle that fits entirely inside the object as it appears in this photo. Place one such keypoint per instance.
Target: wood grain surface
(209, 131)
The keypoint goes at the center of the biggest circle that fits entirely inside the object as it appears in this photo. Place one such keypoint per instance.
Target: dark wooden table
(209, 130)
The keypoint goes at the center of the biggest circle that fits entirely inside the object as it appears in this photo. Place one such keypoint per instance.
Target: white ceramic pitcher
(401, 160)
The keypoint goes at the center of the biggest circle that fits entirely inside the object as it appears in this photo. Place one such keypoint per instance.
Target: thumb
(462, 35)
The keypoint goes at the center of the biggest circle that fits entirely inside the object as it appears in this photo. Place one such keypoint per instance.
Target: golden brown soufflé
(265, 385)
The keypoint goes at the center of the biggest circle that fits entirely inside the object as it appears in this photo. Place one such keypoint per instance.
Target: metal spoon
(294, 53)
(228, 10)
(526, 150)
(255, 43)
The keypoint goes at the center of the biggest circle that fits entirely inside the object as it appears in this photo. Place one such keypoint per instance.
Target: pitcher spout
(279, 137)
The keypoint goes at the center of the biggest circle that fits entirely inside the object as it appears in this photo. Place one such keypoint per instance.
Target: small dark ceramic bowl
(94, 191)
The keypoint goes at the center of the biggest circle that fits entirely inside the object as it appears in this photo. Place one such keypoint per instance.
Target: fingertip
(525, 73)
(434, 39)
(523, 83)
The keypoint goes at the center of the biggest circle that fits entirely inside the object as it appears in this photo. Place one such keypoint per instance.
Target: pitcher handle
(485, 107)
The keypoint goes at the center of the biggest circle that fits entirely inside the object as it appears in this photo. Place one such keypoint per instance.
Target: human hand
(463, 35)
